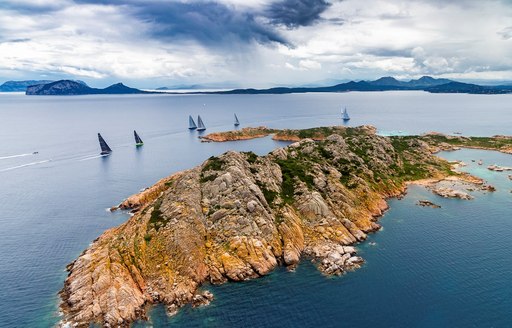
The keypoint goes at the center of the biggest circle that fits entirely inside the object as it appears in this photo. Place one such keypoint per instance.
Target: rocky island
(238, 216)
(436, 141)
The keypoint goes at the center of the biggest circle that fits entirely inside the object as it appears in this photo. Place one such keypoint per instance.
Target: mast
(105, 149)
(191, 124)
(138, 140)
(200, 124)
(237, 123)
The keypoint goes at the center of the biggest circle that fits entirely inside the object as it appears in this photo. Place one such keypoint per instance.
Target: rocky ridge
(237, 217)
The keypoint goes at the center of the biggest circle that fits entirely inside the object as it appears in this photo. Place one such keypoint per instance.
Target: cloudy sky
(257, 43)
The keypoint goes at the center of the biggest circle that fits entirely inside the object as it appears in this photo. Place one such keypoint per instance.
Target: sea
(427, 267)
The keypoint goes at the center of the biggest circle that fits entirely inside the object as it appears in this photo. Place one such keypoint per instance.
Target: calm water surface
(429, 267)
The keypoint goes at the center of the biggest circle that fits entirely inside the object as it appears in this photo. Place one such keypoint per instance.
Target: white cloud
(354, 39)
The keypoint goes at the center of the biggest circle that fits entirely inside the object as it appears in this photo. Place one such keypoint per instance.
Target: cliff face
(237, 217)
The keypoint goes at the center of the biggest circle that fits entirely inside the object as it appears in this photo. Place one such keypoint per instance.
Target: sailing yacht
(200, 124)
(237, 122)
(344, 115)
(191, 124)
(138, 140)
(105, 149)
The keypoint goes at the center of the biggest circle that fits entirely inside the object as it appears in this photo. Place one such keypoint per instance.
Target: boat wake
(25, 165)
(92, 157)
(15, 156)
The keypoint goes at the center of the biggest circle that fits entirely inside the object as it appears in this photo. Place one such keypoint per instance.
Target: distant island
(239, 215)
(21, 86)
(425, 83)
(68, 88)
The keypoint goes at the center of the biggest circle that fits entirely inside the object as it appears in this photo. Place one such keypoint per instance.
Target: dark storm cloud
(210, 23)
(296, 13)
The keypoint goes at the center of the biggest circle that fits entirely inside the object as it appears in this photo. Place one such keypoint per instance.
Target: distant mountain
(427, 81)
(21, 86)
(459, 87)
(120, 88)
(387, 83)
(68, 87)
(422, 82)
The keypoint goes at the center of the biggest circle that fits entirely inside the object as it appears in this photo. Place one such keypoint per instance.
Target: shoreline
(443, 142)
(239, 216)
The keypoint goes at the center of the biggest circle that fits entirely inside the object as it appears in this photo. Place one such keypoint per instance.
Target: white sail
(200, 124)
(345, 116)
(191, 124)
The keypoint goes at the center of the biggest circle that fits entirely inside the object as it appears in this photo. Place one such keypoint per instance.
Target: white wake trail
(14, 156)
(91, 157)
(24, 165)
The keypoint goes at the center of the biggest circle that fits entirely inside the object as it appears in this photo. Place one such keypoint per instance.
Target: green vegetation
(269, 195)
(251, 157)
(213, 164)
(482, 142)
(293, 168)
(157, 220)
(318, 133)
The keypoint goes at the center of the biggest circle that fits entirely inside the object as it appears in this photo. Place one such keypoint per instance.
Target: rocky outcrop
(428, 203)
(452, 193)
(242, 134)
(237, 217)
(498, 168)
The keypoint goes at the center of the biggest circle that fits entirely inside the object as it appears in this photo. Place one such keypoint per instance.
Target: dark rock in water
(489, 188)
(202, 299)
(428, 203)
(452, 193)
(68, 87)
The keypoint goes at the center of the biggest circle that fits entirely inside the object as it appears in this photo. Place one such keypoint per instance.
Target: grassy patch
(213, 164)
(293, 169)
(269, 195)
(251, 157)
(157, 220)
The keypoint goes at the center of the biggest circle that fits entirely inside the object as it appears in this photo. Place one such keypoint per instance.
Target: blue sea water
(429, 267)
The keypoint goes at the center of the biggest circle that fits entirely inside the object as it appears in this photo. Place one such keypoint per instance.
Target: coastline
(322, 225)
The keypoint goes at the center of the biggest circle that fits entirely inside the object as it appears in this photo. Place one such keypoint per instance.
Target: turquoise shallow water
(447, 266)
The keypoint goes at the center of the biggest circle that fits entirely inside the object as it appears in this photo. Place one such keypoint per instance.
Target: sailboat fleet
(106, 150)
